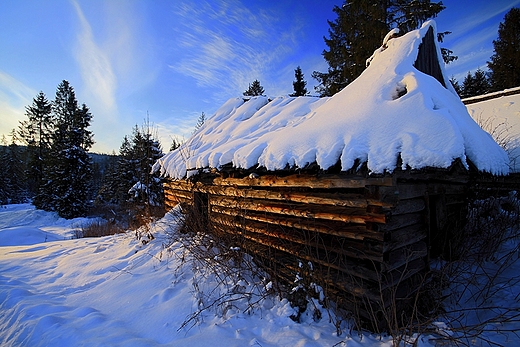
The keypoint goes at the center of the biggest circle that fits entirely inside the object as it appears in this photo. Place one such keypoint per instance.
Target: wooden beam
(323, 182)
(305, 211)
(348, 231)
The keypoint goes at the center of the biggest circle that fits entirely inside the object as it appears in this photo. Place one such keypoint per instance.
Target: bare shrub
(225, 279)
(480, 287)
(98, 228)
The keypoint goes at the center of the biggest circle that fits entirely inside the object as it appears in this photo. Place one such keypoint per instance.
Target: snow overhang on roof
(394, 108)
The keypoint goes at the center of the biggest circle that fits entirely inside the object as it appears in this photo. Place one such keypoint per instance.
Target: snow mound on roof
(392, 109)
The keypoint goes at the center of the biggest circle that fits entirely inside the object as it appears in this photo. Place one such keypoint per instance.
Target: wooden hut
(356, 191)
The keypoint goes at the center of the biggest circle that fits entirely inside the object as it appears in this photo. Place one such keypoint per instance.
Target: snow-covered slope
(392, 109)
(501, 117)
(117, 291)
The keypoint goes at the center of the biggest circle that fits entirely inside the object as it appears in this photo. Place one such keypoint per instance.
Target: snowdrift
(392, 109)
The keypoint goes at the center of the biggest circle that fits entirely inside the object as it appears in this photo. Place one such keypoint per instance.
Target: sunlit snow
(370, 120)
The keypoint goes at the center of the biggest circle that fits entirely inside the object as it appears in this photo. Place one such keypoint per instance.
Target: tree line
(361, 25)
(48, 162)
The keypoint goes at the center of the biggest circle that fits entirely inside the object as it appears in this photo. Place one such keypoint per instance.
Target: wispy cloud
(14, 96)
(472, 36)
(95, 65)
(229, 45)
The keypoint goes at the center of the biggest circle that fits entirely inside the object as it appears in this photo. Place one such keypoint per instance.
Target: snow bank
(117, 291)
(500, 116)
(392, 109)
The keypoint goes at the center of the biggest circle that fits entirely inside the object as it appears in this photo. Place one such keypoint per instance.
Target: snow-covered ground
(501, 117)
(119, 291)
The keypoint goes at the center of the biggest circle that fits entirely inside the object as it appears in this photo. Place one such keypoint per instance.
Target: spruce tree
(299, 85)
(15, 172)
(125, 171)
(35, 132)
(200, 122)
(456, 85)
(68, 173)
(255, 89)
(359, 29)
(147, 189)
(475, 84)
(505, 62)
(4, 159)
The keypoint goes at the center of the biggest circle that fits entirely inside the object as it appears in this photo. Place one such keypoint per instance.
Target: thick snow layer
(117, 291)
(370, 120)
(501, 118)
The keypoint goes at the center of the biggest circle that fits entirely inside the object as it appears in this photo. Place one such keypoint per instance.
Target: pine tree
(147, 190)
(475, 84)
(505, 62)
(481, 82)
(68, 173)
(299, 85)
(200, 122)
(467, 86)
(125, 172)
(4, 159)
(359, 29)
(255, 89)
(16, 171)
(35, 133)
(110, 180)
(456, 85)
(175, 144)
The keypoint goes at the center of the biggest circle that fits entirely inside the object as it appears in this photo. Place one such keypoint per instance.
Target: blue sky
(173, 60)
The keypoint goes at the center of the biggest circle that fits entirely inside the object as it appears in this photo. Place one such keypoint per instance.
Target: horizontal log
(409, 206)
(305, 240)
(308, 181)
(404, 220)
(305, 211)
(405, 255)
(352, 231)
(405, 236)
(178, 193)
(331, 199)
(348, 267)
(332, 281)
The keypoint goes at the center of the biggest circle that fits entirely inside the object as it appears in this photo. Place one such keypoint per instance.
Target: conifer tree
(147, 189)
(68, 172)
(15, 172)
(505, 62)
(456, 85)
(200, 122)
(4, 159)
(299, 85)
(175, 144)
(35, 132)
(475, 84)
(255, 89)
(359, 29)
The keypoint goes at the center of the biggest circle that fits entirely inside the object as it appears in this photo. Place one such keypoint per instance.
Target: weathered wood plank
(308, 240)
(329, 199)
(348, 231)
(347, 215)
(323, 181)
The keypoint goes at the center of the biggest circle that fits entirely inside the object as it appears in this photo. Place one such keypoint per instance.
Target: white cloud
(14, 96)
(227, 45)
(95, 65)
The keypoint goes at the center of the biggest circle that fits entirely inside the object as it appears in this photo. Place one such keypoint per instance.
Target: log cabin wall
(363, 240)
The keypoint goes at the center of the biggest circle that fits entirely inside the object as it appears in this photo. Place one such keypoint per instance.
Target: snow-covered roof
(392, 109)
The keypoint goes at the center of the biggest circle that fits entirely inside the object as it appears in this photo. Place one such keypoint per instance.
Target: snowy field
(115, 291)
(118, 291)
